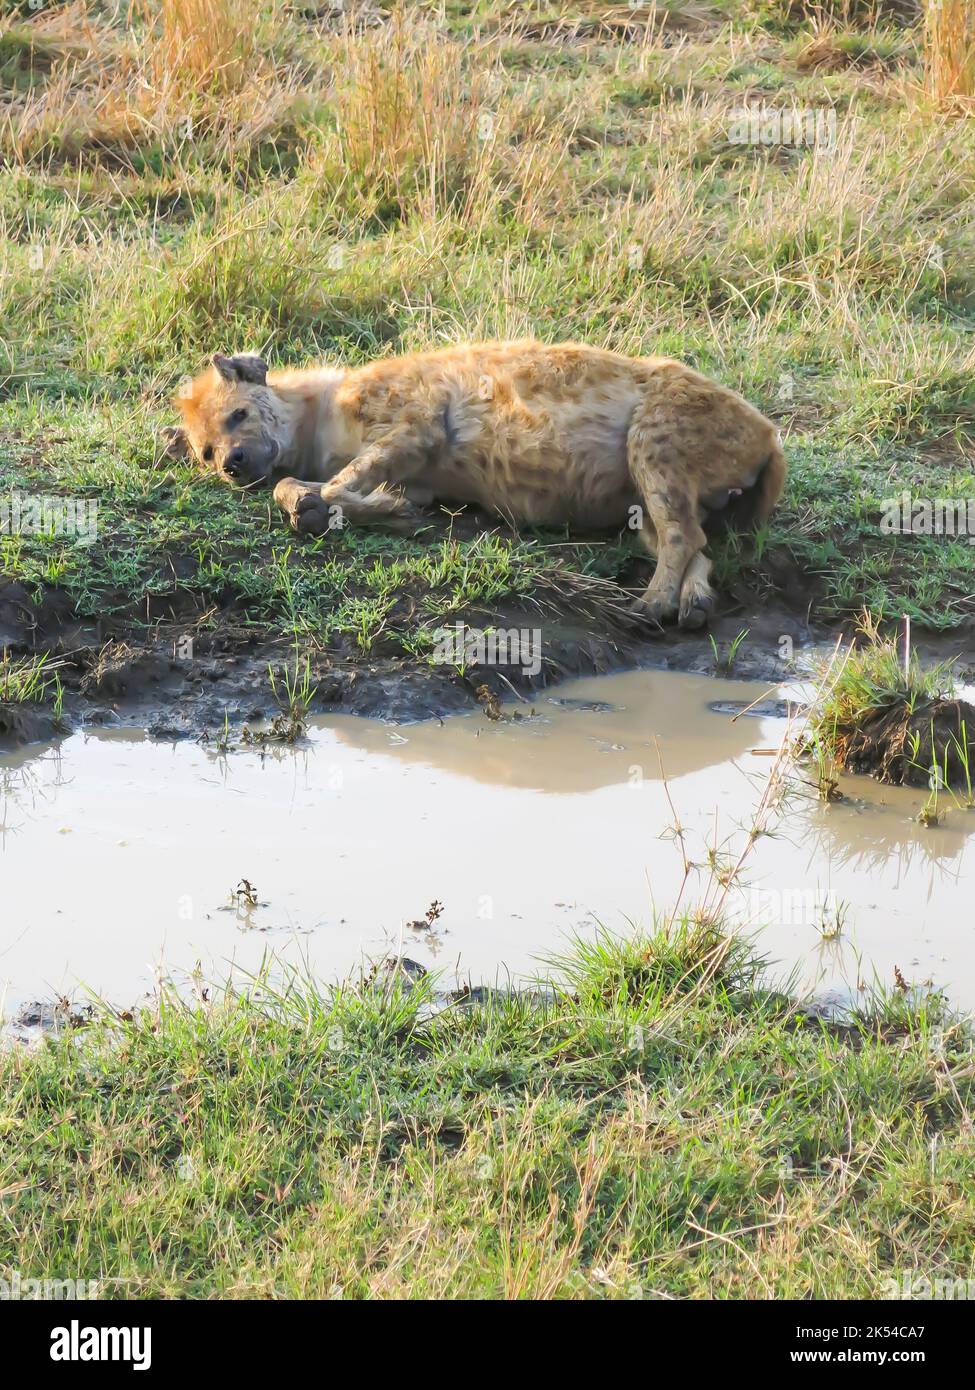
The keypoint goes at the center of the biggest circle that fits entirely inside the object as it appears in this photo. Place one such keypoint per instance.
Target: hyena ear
(246, 367)
(175, 444)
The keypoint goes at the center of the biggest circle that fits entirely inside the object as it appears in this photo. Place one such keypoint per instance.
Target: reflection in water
(567, 747)
(118, 852)
(22, 787)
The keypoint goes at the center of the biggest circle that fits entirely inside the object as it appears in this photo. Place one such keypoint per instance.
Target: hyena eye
(237, 418)
(208, 453)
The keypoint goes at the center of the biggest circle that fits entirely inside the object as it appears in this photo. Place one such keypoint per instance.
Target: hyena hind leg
(663, 470)
(697, 598)
(673, 534)
(696, 594)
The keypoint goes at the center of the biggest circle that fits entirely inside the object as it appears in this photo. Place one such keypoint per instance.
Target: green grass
(875, 710)
(25, 680)
(873, 678)
(662, 1124)
(483, 172)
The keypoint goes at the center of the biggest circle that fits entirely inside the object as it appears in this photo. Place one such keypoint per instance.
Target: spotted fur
(565, 435)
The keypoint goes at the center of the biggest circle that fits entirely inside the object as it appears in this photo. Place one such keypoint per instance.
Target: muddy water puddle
(120, 856)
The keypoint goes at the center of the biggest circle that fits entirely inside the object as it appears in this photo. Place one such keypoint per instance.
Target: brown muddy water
(119, 855)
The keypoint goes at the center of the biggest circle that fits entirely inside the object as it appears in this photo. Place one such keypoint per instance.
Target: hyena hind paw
(695, 612)
(650, 615)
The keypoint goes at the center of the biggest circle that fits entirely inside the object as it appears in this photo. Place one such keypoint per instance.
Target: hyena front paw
(306, 509)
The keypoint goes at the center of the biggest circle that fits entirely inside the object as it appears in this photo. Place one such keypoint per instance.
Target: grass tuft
(949, 52)
(28, 680)
(210, 44)
(624, 1134)
(882, 711)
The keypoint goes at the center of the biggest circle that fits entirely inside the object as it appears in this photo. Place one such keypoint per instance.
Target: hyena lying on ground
(546, 436)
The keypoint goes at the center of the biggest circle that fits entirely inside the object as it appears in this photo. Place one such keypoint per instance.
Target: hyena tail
(769, 483)
(382, 509)
(756, 502)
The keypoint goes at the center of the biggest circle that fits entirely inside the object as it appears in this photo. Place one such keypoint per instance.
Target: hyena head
(234, 424)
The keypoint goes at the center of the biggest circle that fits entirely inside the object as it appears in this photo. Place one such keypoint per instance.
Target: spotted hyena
(548, 436)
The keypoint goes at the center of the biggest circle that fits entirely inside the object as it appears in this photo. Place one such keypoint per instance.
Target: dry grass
(404, 125)
(208, 44)
(184, 69)
(413, 128)
(407, 119)
(949, 52)
(419, 129)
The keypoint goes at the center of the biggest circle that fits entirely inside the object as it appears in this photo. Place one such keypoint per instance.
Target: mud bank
(931, 744)
(183, 674)
(179, 670)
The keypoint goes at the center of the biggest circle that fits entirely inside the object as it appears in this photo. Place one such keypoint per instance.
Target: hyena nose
(234, 462)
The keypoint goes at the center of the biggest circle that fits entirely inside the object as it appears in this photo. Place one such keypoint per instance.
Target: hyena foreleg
(364, 492)
(399, 455)
(313, 508)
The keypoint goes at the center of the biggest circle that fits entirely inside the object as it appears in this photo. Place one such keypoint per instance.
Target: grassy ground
(664, 1126)
(215, 177)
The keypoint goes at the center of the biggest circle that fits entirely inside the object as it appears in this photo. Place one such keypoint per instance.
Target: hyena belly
(545, 463)
(599, 487)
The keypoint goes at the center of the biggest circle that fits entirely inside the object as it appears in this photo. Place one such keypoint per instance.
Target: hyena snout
(250, 462)
(233, 464)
